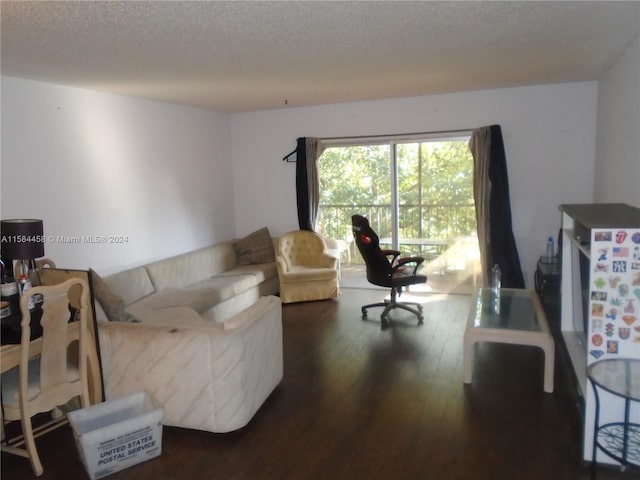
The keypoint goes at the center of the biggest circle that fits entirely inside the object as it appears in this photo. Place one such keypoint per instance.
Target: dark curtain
(308, 150)
(493, 207)
(302, 188)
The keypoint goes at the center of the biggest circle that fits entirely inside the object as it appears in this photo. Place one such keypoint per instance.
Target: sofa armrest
(260, 309)
(328, 261)
(208, 376)
(281, 264)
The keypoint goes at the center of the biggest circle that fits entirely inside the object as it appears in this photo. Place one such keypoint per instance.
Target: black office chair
(385, 268)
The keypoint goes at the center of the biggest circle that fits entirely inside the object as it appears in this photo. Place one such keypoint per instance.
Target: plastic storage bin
(118, 433)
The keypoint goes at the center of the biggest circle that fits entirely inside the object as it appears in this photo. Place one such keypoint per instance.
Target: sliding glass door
(417, 194)
(435, 194)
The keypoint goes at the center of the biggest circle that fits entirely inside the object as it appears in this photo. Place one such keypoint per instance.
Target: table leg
(549, 362)
(468, 359)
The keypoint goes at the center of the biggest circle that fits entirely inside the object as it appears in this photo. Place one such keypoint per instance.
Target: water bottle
(496, 281)
(550, 250)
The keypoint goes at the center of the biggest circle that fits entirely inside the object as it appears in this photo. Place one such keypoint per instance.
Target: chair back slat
(58, 304)
(55, 333)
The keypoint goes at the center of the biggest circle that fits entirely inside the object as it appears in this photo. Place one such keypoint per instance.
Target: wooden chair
(45, 378)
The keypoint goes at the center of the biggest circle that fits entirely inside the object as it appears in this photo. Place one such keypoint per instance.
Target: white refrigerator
(613, 319)
(600, 302)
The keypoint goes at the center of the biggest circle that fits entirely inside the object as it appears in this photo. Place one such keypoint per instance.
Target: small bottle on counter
(551, 251)
(496, 283)
(496, 278)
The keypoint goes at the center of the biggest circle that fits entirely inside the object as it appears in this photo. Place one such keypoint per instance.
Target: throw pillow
(257, 247)
(111, 303)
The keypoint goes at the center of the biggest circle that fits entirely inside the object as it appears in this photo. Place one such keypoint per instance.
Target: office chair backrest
(379, 268)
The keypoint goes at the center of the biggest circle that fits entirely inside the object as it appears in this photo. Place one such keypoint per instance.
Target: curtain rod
(287, 157)
(392, 135)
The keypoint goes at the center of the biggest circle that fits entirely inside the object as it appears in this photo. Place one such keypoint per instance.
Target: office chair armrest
(403, 261)
(387, 252)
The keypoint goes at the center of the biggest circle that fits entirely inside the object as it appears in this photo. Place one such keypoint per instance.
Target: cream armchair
(305, 270)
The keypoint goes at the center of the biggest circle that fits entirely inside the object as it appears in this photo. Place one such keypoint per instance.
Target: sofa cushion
(307, 274)
(224, 287)
(198, 299)
(131, 285)
(261, 272)
(112, 303)
(192, 267)
(171, 316)
(257, 247)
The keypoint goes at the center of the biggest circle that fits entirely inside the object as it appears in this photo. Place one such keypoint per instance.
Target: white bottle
(496, 278)
(496, 283)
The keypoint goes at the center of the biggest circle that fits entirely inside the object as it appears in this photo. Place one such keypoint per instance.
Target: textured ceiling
(242, 56)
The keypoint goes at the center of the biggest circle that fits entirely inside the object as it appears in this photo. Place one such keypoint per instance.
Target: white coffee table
(521, 321)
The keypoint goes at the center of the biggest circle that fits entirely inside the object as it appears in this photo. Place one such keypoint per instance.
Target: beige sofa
(202, 334)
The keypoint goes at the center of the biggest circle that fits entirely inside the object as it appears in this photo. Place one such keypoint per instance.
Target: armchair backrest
(301, 248)
(379, 269)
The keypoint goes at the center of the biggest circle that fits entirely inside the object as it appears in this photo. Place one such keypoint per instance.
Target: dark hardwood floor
(358, 402)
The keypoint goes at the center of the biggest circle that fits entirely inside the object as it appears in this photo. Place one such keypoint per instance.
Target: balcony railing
(433, 222)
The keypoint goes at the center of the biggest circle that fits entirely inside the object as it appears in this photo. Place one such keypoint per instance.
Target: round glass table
(619, 440)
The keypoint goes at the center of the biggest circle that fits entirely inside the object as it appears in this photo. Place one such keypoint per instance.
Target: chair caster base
(385, 321)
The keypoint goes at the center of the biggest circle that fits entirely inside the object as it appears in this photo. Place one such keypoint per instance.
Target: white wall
(617, 174)
(549, 135)
(91, 163)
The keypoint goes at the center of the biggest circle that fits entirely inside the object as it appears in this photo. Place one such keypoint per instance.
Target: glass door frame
(393, 141)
